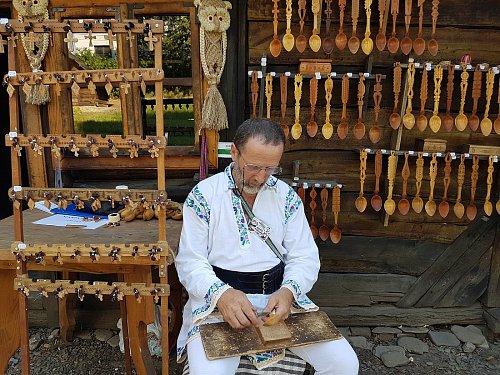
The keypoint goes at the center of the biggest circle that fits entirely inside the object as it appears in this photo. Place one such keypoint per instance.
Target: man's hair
(267, 131)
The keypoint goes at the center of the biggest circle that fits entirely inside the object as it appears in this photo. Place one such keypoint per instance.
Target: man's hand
(237, 309)
(280, 301)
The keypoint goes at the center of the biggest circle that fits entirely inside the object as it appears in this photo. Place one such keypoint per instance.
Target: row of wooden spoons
(353, 43)
(417, 202)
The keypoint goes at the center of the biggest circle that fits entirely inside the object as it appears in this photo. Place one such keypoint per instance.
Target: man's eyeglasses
(254, 169)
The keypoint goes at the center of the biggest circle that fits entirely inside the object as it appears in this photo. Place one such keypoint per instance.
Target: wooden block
(492, 317)
(484, 150)
(274, 333)
(311, 66)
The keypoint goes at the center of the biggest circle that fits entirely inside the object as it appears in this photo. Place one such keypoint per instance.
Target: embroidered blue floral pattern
(210, 296)
(292, 204)
(197, 201)
(262, 359)
(302, 302)
(240, 221)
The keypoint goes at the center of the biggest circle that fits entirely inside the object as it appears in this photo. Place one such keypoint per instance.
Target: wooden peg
(12, 39)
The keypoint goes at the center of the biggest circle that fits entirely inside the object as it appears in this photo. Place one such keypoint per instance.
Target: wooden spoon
(435, 121)
(496, 125)
(461, 120)
(395, 117)
(471, 210)
(419, 43)
(393, 42)
(301, 42)
(367, 42)
(459, 208)
(476, 94)
(360, 202)
(327, 129)
(312, 206)
(283, 92)
(328, 42)
(417, 203)
(288, 38)
(353, 43)
(389, 204)
(422, 119)
(359, 128)
(297, 128)
(375, 132)
(376, 200)
(486, 123)
(380, 39)
(406, 43)
(342, 128)
(498, 206)
(430, 206)
(314, 39)
(433, 44)
(448, 119)
(335, 233)
(488, 206)
(254, 87)
(444, 206)
(269, 94)
(301, 192)
(341, 38)
(409, 118)
(275, 46)
(312, 126)
(404, 204)
(324, 231)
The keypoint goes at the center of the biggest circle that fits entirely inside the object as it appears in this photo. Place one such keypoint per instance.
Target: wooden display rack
(98, 258)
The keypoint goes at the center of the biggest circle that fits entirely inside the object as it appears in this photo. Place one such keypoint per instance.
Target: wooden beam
(492, 297)
(175, 162)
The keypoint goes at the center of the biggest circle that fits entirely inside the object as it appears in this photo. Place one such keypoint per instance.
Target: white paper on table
(68, 220)
(40, 205)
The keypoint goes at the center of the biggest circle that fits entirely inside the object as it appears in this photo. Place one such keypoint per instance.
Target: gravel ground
(50, 355)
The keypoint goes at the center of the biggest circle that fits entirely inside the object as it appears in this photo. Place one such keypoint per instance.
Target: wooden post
(198, 92)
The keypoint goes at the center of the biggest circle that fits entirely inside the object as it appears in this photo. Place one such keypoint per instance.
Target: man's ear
(234, 152)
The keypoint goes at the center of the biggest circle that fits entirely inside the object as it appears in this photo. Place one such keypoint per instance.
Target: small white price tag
(383, 151)
(4, 21)
(35, 70)
(287, 74)
(318, 75)
(367, 75)
(273, 74)
(428, 66)
(259, 74)
(411, 152)
(439, 154)
(12, 73)
(305, 185)
(328, 186)
(21, 246)
(339, 186)
(333, 74)
(457, 66)
(317, 185)
(481, 66)
(294, 184)
(467, 155)
(417, 65)
(469, 66)
(425, 154)
(368, 150)
(495, 69)
(263, 61)
(12, 135)
(495, 159)
(453, 156)
(18, 188)
(249, 73)
(349, 75)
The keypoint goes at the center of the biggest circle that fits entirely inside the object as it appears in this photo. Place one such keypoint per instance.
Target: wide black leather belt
(264, 282)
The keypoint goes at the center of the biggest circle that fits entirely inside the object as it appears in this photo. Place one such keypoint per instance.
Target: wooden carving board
(276, 332)
(221, 341)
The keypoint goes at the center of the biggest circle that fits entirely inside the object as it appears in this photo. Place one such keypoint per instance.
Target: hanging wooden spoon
(359, 128)
(341, 38)
(301, 42)
(283, 92)
(269, 94)
(301, 192)
(312, 206)
(367, 42)
(458, 207)
(471, 210)
(435, 120)
(476, 94)
(393, 42)
(288, 38)
(486, 123)
(417, 203)
(419, 43)
(324, 231)
(389, 204)
(376, 200)
(254, 87)
(335, 233)
(448, 119)
(360, 202)
(488, 206)
(275, 46)
(328, 42)
(430, 206)
(433, 44)
(395, 117)
(312, 126)
(342, 128)
(422, 119)
(409, 118)
(375, 132)
(297, 128)
(353, 43)
(327, 129)
(404, 204)
(314, 39)
(496, 125)
(406, 43)
(444, 206)
(461, 120)
(380, 39)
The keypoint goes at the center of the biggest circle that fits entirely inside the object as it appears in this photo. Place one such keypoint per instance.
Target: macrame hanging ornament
(215, 20)
(35, 45)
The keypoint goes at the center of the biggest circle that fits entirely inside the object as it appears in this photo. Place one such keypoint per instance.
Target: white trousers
(328, 358)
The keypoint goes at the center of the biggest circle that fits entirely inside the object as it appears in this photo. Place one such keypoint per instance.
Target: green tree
(95, 62)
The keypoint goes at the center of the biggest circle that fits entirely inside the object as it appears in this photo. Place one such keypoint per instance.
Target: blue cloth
(71, 210)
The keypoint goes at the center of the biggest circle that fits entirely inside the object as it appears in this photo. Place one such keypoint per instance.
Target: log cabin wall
(418, 269)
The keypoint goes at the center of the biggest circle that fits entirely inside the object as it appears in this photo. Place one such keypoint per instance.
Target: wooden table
(139, 315)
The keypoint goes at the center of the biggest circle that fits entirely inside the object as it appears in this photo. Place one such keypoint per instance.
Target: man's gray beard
(239, 181)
